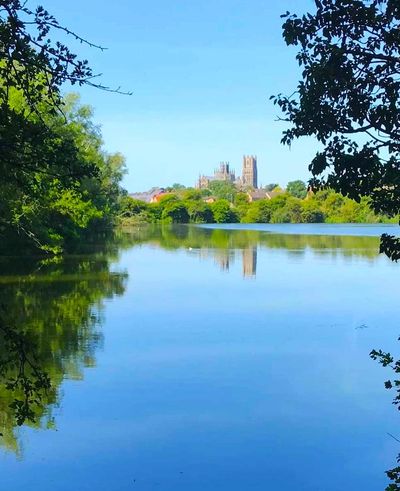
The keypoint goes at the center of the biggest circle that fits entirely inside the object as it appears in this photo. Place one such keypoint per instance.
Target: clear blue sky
(201, 75)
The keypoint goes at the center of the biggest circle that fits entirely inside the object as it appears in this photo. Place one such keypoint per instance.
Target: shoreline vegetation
(58, 184)
(67, 190)
(224, 203)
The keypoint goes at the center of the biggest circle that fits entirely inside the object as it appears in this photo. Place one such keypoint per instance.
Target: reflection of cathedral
(226, 257)
(249, 257)
(223, 257)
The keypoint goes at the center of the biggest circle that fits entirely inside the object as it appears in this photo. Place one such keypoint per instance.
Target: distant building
(204, 182)
(310, 192)
(223, 173)
(258, 194)
(148, 196)
(157, 197)
(209, 199)
(249, 171)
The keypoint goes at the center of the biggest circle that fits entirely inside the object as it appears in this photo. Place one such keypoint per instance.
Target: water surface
(196, 358)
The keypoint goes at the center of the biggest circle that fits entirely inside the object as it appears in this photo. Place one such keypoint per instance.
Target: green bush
(258, 212)
(323, 206)
(199, 212)
(223, 213)
(175, 212)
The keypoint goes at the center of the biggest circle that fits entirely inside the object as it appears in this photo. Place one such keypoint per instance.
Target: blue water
(228, 361)
(337, 229)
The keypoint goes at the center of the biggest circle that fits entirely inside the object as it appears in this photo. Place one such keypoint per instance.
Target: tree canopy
(56, 180)
(32, 60)
(271, 187)
(298, 189)
(70, 186)
(349, 99)
(321, 206)
(223, 190)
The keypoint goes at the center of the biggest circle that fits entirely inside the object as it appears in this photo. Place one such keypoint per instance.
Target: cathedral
(224, 173)
(249, 171)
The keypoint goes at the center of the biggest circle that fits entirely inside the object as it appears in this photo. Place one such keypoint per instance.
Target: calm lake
(207, 358)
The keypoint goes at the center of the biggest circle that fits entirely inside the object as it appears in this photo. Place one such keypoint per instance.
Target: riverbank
(192, 206)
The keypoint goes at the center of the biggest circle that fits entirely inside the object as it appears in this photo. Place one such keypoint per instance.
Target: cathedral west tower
(249, 172)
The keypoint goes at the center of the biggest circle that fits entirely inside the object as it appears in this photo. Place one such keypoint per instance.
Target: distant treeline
(225, 204)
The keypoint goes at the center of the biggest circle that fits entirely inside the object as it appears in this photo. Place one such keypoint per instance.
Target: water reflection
(49, 331)
(226, 246)
(225, 258)
(51, 311)
(250, 261)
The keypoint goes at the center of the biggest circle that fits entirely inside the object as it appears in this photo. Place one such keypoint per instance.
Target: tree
(192, 194)
(387, 360)
(154, 212)
(167, 198)
(199, 212)
(175, 212)
(223, 190)
(71, 186)
(177, 187)
(242, 204)
(312, 212)
(223, 212)
(258, 212)
(349, 99)
(241, 199)
(290, 212)
(270, 187)
(130, 206)
(32, 61)
(37, 66)
(278, 201)
(55, 179)
(298, 189)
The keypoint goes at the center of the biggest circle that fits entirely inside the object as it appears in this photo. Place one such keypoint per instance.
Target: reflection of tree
(194, 238)
(27, 386)
(222, 245)
(51, 311)
(48, 332)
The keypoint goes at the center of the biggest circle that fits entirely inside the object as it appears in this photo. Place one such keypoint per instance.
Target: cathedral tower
(249, 173)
